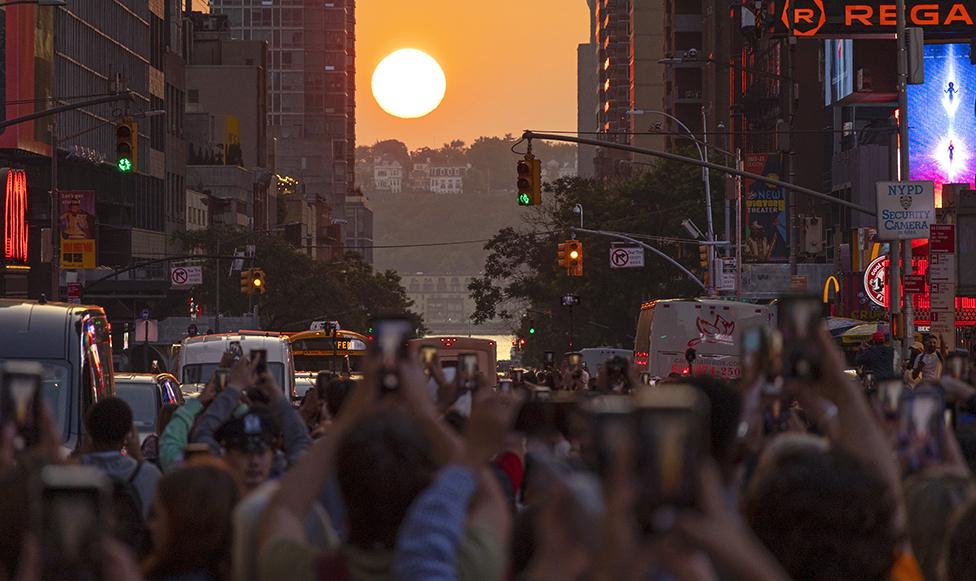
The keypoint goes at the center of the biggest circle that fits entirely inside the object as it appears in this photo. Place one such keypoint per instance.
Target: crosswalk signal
(126, 144)
(258, 282)
(574, 258)
(529, 181)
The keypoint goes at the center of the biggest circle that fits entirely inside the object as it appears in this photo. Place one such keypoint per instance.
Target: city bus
(338, 350)
(448, 349)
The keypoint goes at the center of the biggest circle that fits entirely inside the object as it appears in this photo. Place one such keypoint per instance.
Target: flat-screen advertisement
(942, 118)
(838, 69)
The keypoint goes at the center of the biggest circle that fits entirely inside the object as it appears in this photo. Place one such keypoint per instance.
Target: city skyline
(481, 54)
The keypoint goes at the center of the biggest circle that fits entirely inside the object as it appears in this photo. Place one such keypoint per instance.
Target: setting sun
(408, 83)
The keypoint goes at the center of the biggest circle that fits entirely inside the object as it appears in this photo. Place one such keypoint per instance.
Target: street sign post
(626, 257)
(186, 276)
(915, 284)
(74, 292)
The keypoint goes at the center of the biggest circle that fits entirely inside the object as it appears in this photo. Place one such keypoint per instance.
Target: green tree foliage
(300, 289)
(522, 281)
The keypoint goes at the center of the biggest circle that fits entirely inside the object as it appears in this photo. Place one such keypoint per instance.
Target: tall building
(311, 97)
(586, 97)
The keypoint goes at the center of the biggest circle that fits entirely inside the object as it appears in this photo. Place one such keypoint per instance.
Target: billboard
(843, 18)
(77, 227)
(942, 118)
(765, 218)
(14, 216)
(838, 69)
(27, 55)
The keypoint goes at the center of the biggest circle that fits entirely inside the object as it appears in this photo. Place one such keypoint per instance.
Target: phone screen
(222, 376)
(261, 357)
(799, 319)
(468, 371)
(427, 353)
(71, 521)
(612, 425)
(548, 358)
(518, 375)
(236, 349)
(390, 345)
(957, 367)
(889, 398)
(921, 430)
(20, 405)
(505, 385)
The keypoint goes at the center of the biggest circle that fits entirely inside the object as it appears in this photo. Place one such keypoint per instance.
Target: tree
(300, 289)
(522, 282)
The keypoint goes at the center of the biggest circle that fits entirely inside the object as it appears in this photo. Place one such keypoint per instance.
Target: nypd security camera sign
(905, 209)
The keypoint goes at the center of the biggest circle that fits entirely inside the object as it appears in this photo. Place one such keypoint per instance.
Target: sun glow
(408, 83)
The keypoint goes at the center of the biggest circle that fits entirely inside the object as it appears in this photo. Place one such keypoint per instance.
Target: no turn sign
(626, 257)
(185, 276)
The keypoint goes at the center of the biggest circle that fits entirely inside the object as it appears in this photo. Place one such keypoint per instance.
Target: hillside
(403, 219)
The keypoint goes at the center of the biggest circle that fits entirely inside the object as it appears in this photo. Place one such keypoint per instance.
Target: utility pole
(896, 269)
(55, 215)
(790, 159)
(738, 225)
(708, 208)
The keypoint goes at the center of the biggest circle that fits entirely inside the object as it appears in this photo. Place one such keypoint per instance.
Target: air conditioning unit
(812, 240)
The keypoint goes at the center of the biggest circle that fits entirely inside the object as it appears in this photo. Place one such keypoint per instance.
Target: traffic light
(531, 327)
(703, 257)
(574, 258)
(247, 276)
(562, 255)
(529, 181)
(126, 145)
(258, 282)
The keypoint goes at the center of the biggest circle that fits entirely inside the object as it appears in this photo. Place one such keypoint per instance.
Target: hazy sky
(510, 65)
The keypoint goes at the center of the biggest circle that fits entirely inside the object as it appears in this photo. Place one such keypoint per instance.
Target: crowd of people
(551, 475)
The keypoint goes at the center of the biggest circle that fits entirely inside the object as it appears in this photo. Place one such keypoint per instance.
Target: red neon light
(15, 213)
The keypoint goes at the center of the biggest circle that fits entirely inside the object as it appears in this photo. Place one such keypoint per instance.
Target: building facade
(387, 176)
(311, 92)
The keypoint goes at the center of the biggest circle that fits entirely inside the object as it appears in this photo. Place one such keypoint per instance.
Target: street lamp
(703, 155)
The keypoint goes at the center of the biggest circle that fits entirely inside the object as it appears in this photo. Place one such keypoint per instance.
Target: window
(193, 96)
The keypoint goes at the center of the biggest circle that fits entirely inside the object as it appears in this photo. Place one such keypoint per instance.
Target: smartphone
(427, 353)
(761, 349)
(957, 365)
(612, 428)
(888, 397)
(21, 401)
(921, 430)
(390, 336)
(222, 375)
(260, 356)
(646, 378)
(575, 359)
(236, 349)
(548, 359)
(518, 376)
(799, 320)
(71, 513)
(505, 385)
(672, 439)
(468, 371)
(618, 374)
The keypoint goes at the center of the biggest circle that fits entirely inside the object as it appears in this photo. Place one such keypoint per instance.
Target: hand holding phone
(427, 354)
(921, 438)
(21, 400)
(71, 515)
(260, 359)
(390, 336)
(799, 320)
(468, 372)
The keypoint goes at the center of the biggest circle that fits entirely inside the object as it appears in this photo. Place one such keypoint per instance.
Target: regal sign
(848, 17)
(14, 215)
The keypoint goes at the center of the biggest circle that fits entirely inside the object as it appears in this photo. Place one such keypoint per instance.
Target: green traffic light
(531, 330)
(523, 199)
(125, 164)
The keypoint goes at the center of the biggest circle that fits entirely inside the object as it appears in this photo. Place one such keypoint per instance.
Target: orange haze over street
(510, 65)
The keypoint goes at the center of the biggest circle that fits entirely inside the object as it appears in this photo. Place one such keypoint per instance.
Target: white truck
(200, 356)
(667, 329)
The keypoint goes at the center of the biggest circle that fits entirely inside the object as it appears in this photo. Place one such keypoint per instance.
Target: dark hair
(960, 550)
(335, 394)
(931, 502)
(199, 499)
(109, 421)
(825, 517)
(383, 463)
(725, 411)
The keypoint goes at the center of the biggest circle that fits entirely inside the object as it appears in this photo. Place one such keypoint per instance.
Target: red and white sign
(74, 292)
(915, 284)
(626, 257)
(876, 281)
(15, 216)
(942, 239)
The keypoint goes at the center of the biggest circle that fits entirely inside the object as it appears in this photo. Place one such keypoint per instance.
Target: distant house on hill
(387, 175)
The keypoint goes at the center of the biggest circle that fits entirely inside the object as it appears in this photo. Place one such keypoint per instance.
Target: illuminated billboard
(942, 118)
(842, 18)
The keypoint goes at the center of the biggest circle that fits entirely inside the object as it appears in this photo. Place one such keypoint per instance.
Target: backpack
(130, 525)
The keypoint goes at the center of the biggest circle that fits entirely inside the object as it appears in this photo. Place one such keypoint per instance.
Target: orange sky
(482, 46)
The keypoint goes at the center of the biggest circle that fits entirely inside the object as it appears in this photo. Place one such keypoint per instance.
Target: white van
(667, 329)
(200, 356)
(595, 357)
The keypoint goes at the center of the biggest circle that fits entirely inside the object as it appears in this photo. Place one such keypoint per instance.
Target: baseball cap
(253, 431)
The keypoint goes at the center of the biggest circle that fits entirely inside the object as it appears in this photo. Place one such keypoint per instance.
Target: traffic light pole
(621, 236)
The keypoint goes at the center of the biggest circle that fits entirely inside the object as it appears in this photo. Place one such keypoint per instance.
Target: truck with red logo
(695, 336)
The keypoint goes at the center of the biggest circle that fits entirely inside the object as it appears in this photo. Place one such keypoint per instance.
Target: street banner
(766, 220)
(77, 227)
(905, 209)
